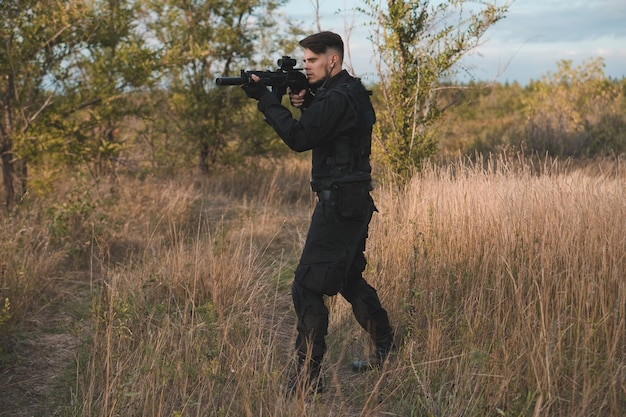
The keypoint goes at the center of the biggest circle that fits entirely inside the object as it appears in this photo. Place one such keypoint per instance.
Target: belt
(324, 195)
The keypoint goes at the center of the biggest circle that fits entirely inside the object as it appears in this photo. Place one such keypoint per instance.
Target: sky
(525, 45)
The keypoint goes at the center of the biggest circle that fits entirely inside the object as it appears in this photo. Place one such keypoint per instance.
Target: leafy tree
(37, 37)
(201, 39)
(419, 46)
(116, 64)
(99, 88)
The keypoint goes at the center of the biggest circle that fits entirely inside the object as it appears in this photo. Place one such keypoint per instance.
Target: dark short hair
(320, 42)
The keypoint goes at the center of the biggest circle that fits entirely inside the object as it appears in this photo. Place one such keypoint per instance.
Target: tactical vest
(349, 158)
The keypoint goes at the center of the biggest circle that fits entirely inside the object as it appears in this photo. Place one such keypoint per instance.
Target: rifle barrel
(229, 81)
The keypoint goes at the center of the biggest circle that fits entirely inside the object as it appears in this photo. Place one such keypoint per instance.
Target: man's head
(323, 55)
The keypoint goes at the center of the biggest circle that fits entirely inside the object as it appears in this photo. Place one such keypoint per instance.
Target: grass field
(505, 280)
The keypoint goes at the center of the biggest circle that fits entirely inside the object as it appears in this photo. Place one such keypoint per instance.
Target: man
(336, 124)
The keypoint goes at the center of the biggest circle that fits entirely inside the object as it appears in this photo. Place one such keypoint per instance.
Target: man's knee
(307, 302)
(358, 288)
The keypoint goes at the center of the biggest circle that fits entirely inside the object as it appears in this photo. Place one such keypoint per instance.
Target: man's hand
(255, 89)
(301, 100)
(297, 99)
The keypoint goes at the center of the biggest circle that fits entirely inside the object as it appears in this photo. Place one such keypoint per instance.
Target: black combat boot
(308, 379)
(384, 347)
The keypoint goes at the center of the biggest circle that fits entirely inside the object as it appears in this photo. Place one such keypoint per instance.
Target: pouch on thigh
(326, 279)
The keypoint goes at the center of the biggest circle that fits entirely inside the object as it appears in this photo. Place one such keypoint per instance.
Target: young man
(336, 124)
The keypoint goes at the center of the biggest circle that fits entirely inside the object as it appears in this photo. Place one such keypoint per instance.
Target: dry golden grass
(505, 281)
(511, 283)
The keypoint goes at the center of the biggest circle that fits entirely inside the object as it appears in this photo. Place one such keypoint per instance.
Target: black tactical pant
(332, 262)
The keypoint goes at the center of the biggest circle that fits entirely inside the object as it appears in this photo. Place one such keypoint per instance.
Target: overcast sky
(527, 44)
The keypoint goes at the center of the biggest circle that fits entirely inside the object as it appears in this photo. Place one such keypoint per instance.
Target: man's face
(318, 66)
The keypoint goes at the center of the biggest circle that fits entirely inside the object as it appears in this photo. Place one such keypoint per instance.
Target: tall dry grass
(509, 281)
(505, 282)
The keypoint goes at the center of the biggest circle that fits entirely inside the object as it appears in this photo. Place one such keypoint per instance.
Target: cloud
(534, 21)
(536, 34)
(525, 45)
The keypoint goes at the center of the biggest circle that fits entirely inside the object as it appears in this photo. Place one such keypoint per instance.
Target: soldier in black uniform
(336, 124)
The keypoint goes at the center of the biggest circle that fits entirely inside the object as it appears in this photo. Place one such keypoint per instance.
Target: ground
(37, 375)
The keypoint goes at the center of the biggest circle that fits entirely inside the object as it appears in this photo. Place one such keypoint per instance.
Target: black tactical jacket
(336, 126)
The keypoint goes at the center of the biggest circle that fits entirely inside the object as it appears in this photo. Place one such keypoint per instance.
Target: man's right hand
(297, 100)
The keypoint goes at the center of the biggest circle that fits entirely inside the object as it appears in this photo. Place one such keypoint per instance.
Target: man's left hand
(255, 89)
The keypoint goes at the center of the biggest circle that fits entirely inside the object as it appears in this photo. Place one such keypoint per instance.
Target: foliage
(88, 81)
(38, 36)
(5, 317)
(199, 41)
(113, 64)
(485, 119)
(5, 311)
(122, 85)
(573, 112)
(419, 46)
(566, 106)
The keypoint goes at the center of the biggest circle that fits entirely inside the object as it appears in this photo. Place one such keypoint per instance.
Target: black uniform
(337, 127)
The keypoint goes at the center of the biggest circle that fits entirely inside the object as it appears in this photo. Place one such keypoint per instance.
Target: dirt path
(38, 377)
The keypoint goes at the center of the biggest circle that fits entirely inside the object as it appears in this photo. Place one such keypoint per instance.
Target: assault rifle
(285, 76)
